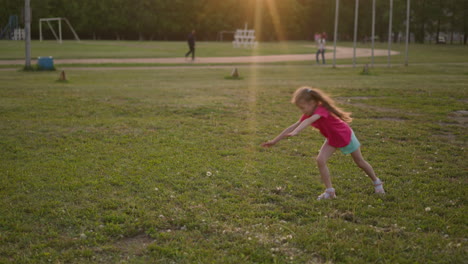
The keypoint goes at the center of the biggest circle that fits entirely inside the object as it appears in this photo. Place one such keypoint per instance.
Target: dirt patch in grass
(133, 246)
(397, 119)
(447, 137)
(461, 117)
(346, 216)
(354, 101)
(349, 99)
(377, 109)
(374, 108)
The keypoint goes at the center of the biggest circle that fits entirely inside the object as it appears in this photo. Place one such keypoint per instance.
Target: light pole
(407, 31)
(27, 32)
(373, 31)
(356, 12)
(390, 14)
(337, 8)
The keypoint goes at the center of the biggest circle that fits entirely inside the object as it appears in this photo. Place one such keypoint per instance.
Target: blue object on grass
(45, 63)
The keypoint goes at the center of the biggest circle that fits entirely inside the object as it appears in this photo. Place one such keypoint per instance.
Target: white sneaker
(328, 194)
(378, 186)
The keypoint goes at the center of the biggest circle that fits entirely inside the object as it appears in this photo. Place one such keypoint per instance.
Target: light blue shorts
(352, 146)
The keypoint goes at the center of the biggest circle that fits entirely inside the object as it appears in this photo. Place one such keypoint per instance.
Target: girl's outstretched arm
(307, 122)
(281, 135)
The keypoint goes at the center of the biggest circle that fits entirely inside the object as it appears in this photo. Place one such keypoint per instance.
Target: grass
(144, 49)
(417, 53)
(165, 49)
(164, 166)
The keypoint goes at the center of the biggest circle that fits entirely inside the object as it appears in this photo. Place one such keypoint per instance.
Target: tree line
(272, 19)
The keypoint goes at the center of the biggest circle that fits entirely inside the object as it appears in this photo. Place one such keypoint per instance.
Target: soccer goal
(59, 19)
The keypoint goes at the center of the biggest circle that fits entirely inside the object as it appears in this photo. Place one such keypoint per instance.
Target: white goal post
(59, 19)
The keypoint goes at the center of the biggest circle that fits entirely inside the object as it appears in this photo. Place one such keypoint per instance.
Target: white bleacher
(244, 38)
(18, 34)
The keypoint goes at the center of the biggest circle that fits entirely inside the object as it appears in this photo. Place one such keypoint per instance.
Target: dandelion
(156, 189)
(208, 173)
(427, 209)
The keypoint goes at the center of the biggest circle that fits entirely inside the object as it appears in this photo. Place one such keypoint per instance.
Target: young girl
(320, 111)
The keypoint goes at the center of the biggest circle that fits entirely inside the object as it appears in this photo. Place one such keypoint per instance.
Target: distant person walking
(191, 44)
(321, 48)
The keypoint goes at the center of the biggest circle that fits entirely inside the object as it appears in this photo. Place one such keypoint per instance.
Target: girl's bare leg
(364, 165)
(325, 153)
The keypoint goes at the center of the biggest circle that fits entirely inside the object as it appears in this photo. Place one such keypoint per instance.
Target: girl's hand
(268, 144)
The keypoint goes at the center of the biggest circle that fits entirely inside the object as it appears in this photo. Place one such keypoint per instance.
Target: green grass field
(159, 49)
(164, 165)
(145, 49)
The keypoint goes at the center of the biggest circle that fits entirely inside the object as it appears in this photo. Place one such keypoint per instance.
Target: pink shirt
(337, 132)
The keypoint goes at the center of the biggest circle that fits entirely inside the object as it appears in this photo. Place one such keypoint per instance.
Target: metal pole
(390, 31)
(60, 30)
(407, 31)
(27, 32)
(336, 32)
(40, 30)
(356, 12)
(76, 35)
(373, 31)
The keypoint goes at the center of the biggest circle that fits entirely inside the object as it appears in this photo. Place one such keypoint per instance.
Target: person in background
(321, 48)
(316, 36)
(324, 35)
(191, 44)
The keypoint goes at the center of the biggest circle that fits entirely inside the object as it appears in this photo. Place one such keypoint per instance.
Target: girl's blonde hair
(307, 94)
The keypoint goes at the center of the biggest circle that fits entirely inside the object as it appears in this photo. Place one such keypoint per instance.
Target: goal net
(59, 20)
